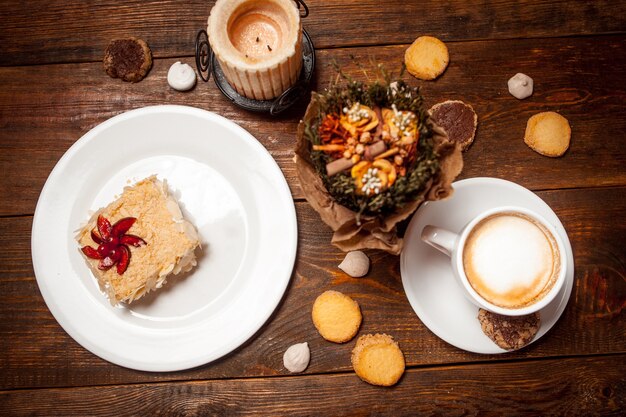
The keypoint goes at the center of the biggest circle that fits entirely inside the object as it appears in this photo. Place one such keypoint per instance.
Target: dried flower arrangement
(367, 156)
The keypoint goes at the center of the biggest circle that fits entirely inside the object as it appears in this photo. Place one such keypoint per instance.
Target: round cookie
(458, 119)
(509, 332)
(426, 58)
(378, 360)
(128, 58)
(336, 316)
(548, 134)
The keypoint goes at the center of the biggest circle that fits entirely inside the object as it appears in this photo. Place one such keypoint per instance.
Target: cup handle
(441, 239)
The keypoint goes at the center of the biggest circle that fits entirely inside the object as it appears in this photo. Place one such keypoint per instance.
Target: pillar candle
(258, 44)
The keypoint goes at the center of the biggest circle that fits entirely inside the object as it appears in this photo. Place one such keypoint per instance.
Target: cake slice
(137, 241)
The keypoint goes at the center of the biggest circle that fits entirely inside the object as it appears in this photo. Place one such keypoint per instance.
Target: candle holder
(207, 64)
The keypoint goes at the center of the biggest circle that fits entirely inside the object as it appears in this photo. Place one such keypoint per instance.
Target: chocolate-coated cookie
(129, 59)
(509, 332)
(458, 119)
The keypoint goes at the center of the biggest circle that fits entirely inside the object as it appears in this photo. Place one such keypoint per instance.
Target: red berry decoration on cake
(113, 243)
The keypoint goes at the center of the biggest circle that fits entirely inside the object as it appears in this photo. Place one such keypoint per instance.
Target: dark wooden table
(53, 90)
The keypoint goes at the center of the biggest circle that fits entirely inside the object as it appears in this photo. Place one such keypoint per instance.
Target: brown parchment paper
(373, 232)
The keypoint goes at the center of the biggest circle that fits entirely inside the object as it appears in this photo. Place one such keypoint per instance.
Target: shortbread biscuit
(458, 119)
(548, 133)
(378, 360)
(129, 59)
(509, 332)
(336, 316)
(426, 58)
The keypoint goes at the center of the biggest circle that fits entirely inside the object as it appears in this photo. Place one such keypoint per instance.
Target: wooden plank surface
(38, 353)
(520, 388)
(54, 90)
(39, 32)
(41, 119)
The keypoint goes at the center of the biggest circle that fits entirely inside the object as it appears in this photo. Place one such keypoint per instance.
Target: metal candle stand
(207, 64)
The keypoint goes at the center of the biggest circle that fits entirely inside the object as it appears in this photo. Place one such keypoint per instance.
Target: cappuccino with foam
(511, 260)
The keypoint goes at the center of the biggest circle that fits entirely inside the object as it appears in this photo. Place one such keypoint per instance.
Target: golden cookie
(548, 133)
(378, 360)
(336, 316)
(426, 58)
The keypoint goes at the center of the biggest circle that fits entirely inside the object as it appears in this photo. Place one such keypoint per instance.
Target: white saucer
(427, 276)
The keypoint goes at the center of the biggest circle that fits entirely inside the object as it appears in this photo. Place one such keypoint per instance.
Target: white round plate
(427, 273)
(227, 185)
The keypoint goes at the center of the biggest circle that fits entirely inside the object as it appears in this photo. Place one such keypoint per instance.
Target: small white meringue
(181, 76)
(297, 357)
(520, 86)
(356, 264)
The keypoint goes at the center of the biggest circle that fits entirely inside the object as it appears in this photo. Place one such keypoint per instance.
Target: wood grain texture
(36, 352)
(39, 32)
(547, 387)
(54, 90)
(40, 120)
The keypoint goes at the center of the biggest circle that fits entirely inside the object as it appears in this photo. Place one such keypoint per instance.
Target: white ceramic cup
(453, 244)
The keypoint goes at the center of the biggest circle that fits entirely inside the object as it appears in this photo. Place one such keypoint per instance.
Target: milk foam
(510, 260)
